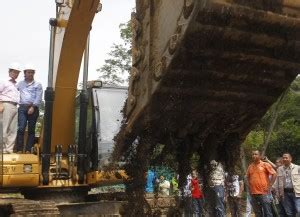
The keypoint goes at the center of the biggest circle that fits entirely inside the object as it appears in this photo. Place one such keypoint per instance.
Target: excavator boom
(74, 41)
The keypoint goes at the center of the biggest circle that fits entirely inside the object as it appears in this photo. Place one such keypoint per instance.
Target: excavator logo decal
(9, 169)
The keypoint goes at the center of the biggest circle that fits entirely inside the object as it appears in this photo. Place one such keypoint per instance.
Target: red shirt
(196, 191)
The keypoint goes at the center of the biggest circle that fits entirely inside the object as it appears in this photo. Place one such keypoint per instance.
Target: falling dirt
(202, 77)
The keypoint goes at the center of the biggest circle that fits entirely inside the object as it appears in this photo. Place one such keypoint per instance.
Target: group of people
(160, 185)
(19, 105)
(274, 184)
(268, 189)
(271, 189)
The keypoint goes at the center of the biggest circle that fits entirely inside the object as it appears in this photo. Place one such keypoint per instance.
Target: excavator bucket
(208, 68)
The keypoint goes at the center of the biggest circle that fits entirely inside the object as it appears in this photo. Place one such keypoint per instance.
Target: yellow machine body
(20, 170)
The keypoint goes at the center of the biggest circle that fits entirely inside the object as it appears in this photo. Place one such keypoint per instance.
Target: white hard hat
(29, 67)
(15, 66)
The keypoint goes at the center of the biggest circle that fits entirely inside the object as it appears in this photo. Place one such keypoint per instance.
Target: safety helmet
(29, 67)
(15, 66)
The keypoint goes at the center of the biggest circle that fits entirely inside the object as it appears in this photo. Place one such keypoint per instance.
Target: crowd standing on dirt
(19, 105)
(266, 190)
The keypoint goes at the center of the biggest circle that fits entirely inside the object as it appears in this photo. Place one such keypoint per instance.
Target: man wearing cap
(9, 98)
(31, 93)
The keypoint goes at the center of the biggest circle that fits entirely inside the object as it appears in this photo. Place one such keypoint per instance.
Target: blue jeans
(248, 205)
(23, 119)
(291, 203)
(197, 207)
(262, 205)
(280, 209)
(188, 206)
(219, 197)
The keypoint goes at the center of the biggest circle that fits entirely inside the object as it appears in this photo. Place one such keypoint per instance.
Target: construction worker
(9, 99)
(31, 93)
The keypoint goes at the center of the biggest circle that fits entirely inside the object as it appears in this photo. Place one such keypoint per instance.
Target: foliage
(285, 136)
(117, 67)
(287, 140)
(40, 120)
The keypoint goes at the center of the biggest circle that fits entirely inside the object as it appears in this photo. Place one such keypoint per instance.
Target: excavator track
(208, 69)
(24, 207)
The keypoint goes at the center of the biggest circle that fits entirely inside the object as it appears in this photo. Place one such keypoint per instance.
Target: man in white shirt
(9, 99)
(164, 186)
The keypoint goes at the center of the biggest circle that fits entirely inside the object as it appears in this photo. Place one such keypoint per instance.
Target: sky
(25, 34)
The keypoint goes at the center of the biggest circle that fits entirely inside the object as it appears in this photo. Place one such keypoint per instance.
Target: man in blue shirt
(31, 93)
(150, 181)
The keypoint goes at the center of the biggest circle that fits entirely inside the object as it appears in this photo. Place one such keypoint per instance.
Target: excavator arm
(73, 24)
(77, 29)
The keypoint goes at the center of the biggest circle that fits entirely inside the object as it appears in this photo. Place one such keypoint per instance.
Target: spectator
(248, 205)
(288, 185)
(164, 186)
(187, 190)
(197, 195)
(278, 162)
(174, 184)
(277, 200)
(234, 189)
(150, 182)
(31, 97)
(187, 196)
(216, 183)
(9, 98)
(248, 210)
(277, 207)
(261, 177)
(266, 159)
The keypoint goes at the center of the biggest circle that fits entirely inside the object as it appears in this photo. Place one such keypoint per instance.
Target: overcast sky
(25, 34)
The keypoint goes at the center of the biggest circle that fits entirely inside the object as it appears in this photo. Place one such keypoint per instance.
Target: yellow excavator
(214, 66)
(78, 132)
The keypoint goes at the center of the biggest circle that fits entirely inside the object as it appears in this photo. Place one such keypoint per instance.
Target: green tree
(287, 140)
(116, 68)
(279, 129)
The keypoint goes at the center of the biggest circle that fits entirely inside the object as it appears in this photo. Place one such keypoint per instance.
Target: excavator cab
(108, 102)
(104, 118)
